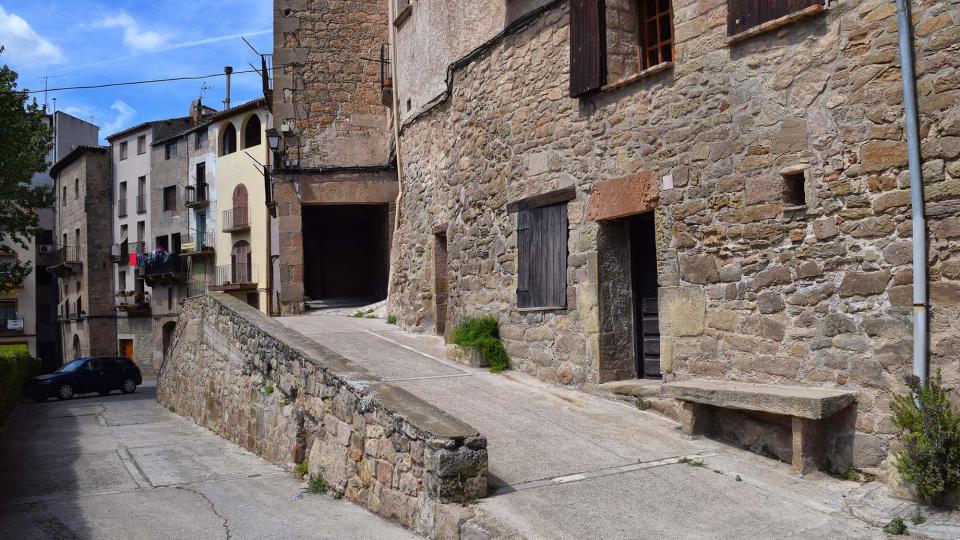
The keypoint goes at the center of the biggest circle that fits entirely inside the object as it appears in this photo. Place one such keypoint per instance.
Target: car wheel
(103, 392)
(65, 391)
(129, 386)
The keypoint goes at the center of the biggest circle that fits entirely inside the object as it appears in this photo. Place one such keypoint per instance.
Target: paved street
(123, 467)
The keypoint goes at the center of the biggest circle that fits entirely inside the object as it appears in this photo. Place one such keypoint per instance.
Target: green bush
(482, 334)
(930, 457)
(896, 527)
(302, 468)
(391, 319)
(15, 368)
(317, 485)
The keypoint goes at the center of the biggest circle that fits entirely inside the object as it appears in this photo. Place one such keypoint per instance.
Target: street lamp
(273, 140)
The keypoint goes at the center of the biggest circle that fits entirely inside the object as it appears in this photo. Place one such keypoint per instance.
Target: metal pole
(919, 224)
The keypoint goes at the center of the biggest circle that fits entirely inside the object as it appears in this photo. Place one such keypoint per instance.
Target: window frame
(169, 206)
(123, 150)
(170, 150)
(141, 145)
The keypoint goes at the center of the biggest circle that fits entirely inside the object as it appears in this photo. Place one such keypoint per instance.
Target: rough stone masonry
(751, 288)
(250, 380)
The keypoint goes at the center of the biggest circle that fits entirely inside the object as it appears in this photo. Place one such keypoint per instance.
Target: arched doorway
(240, 205)
(167, 332)
(251, 133)
(241, 262)
(228, 141)
(76, 346)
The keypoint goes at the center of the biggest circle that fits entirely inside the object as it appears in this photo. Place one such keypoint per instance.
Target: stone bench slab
(797, 401)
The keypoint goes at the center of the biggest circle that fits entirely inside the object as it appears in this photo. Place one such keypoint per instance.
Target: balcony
(197, 244)
(64, 313)
(235, 277)
(120, 253)
(122, 207)
(141, 204)
(198, 196)
(164, 268)
(67, 260)
(11, 327)
(133, 302)
(236, 220)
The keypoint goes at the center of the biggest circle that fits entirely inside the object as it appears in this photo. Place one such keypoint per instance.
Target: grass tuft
(896, 527)
(482, 334)
(317, 485)
(642, 403)
(391, 319)
(302, 468)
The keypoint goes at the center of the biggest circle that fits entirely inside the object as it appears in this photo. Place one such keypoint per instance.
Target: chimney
(196, 111)
(226, 102)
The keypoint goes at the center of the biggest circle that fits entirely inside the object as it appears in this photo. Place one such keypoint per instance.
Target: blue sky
(82, 42)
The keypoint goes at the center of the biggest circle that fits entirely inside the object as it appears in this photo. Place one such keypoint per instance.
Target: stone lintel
(625, 196)
(803, 402)
(556, 196)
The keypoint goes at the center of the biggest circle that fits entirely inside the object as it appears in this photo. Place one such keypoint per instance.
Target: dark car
(100, 374)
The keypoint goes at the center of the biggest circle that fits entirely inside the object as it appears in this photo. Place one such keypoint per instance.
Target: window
(229, 144)
(542, 252)
(122, 281)
(63, 200)
(76, 188)
(200, 139)
(170, 150)
(123, 150)
(201, 176)
(794, 189)
(742, 15)
(169, 198)
(251, 133)
(614, 40)
(141, 144)
(8, 258)
(8, 309)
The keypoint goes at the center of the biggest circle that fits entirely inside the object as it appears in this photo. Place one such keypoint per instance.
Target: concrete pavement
(565, 464)
(122, 467)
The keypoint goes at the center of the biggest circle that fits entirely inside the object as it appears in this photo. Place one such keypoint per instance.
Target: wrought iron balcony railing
(236, 219)
(235, 277)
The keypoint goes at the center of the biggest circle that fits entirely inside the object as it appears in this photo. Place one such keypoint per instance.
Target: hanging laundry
(133, 259)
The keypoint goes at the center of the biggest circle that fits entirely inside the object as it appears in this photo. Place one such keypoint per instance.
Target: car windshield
(71, 367)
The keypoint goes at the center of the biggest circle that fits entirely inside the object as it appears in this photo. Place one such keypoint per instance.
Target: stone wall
(249, 379)
(751, 288)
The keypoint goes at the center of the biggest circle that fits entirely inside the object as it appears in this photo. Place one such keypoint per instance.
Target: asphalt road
(123, 467)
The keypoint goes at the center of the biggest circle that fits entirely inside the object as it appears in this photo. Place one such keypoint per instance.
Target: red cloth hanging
(133, 259)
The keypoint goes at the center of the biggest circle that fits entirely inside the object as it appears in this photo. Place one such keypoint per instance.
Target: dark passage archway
(346, 251)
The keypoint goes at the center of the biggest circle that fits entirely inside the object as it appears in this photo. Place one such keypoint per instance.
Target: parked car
(101, 374)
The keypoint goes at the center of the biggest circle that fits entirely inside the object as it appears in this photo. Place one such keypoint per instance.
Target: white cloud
(136, 39)
(125, 113)
(109, 123)
(23, 45)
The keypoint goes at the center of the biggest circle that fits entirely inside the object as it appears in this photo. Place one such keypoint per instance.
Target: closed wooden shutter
(542, 247)
(587, 46)
(743, 15)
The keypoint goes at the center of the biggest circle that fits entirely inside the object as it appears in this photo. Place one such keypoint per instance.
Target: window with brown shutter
(542, 253)
(742, 15)
(614, 40)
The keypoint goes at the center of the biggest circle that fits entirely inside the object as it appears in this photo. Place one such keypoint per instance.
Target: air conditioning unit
(46, 248)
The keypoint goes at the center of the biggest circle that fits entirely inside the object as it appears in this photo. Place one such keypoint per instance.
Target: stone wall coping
(797, 401)
(397, 400)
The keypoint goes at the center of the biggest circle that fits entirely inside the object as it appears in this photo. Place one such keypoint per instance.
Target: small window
(123, 150)
(229, 144)
(76, 188)
(169, 198)
(639, 35)
(542, 252)
(794, 189)
(742, 15)
(200, 139)
(122, 281)
(170, 150)
(141, 144)
(63, 200)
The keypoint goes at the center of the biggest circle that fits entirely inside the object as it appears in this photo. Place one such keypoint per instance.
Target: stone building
(199, 243)
(704, 195)
(244, 266)
(82, 261)
(334, 173)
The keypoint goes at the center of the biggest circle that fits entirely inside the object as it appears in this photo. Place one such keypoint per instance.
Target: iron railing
(155, 264)
(120, 253)
(198, 195)
(238, 275)
(236, 219)
(197, 242)
(122, 207)
(133, 301)
(69, 254)
(141, 204)
(11, 327)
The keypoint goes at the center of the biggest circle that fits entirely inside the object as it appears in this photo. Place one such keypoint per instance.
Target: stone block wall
(249, 379)
(751, 288)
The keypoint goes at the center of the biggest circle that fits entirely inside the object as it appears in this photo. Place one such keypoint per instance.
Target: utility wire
(150, 81)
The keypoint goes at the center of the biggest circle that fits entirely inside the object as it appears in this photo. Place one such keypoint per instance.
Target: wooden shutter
(542, 246)
(588, 46)
(743, 15)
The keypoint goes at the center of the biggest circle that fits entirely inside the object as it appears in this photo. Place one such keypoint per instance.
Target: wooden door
(126, 348)
(646, 317)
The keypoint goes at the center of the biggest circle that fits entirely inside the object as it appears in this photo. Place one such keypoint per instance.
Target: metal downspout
(396, 137)
(919, 224)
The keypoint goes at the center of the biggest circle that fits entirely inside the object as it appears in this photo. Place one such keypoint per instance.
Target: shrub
(391, 319)
(302, 469)
(642, 403)
(482, 334)
(16, 366)
(896, 527)
(930, 457)
(317, 485)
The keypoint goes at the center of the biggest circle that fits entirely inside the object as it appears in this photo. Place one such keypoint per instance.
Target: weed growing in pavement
(391, 319)
(482, 334)
(691, 462)
(302, 468)
(917, 518)
(172, 409)
(642, 403)
(896, 527)
(268, 389)
(317, 485)
(739, 479)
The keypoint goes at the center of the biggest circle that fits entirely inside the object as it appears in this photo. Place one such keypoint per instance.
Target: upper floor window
(229, 144)
(251, 133)
(743, 15)
(615, 40)
(141, 144)
(170, 151)
(200, 139)
(169, 198)
(76, 188)
(123, 150)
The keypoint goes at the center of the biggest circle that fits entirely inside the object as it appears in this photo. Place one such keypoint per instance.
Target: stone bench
(807, 407)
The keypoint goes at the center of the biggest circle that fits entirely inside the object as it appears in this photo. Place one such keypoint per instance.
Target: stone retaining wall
(247, 378)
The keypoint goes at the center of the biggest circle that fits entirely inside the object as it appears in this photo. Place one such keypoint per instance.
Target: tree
(25, 141)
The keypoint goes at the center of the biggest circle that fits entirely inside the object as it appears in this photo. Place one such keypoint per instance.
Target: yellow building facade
(243, 265)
